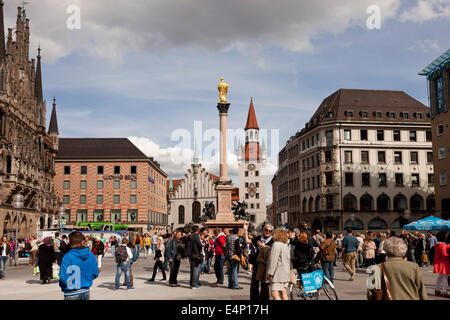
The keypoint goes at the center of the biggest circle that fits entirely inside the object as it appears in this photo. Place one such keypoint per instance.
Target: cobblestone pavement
(21, 284)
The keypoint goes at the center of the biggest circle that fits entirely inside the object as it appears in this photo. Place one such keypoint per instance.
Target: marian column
(224, 216)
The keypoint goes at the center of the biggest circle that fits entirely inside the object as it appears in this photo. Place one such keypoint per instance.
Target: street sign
(312, 281)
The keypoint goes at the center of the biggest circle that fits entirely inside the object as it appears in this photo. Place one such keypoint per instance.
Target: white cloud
(426, 10)
(109, 29)
(425, 46)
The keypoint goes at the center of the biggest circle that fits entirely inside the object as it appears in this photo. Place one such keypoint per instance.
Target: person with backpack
(327, 255)
(159, 258)
(123, 257)
(80, 264)
(233, 245)
(98, 249)
(219, 252)
(193, 251)
(57, 248)
(135, 257)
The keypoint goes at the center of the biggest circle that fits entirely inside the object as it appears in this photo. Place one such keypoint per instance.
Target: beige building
(364, 160)
(187, 197)
(27, 152)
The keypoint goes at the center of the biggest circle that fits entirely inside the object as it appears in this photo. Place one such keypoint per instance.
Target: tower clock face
(251, 167)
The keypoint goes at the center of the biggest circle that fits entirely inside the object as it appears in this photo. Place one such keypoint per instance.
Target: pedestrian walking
(431, 243)
(5, 252)
(167, 238)
(147, 245)
(278, 270)
(259, 290)
(369, 248)
(404, 277)
(138, 243)
(98, 249)
(175, 253)
(360, 256)
(77, 264)
(57, 248)
(153, 240)
(123, 257)
(113, 243)
(135, 257)
(159, 258)
(233, 248)
(45, 258)
(327, 256)
(350, 248)
(194, 252)
(442, 265)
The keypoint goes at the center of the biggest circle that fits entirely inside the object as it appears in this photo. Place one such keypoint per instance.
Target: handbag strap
(388, 295)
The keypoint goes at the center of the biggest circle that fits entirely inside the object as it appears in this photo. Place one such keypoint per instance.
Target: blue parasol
(429, 223)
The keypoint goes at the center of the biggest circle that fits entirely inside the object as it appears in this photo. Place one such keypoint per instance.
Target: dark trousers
(257, 293)
(218, 268)
(431, 255)
(58, 256)
(174, 267)
(158, 264)
(193, 281)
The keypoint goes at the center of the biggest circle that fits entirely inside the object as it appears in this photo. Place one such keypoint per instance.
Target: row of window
(256, 195)
(414, 157)
(256, 173)
(256, 184)
(99, 199)
(100, 184)
(116, 216)
(100, 170)
(396, 135)
(379, 114)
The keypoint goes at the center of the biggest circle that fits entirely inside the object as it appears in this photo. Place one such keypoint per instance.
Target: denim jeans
(81, 296)
(328, 270)
(218, 268)
(125, 267)
(193, 281)
(233, 271)
(3, 261)
(201, 268)
(208, 264)
(138, 249)
(113, 251)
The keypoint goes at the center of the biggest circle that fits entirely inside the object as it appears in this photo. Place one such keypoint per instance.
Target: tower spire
(53, 127)
(2, 33)
(38, 81)
(251, 118)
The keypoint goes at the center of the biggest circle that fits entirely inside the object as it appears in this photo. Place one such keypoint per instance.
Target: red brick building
(110, 180)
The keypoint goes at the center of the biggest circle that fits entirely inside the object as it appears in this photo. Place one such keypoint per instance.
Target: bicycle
(297, 290)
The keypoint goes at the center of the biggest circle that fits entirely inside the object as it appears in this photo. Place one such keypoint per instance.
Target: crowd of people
(274, 258)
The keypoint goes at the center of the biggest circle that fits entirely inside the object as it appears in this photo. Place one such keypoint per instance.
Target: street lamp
(17, 204)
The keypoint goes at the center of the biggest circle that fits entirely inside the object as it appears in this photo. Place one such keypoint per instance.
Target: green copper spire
(170, 185)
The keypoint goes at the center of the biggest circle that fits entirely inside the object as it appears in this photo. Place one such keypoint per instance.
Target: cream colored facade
(188, 196)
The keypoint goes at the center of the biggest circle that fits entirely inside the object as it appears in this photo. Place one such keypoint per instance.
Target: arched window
(366, 202)
(355, 225)
(349, 202)
(196, 211)
(304, 205)
(318, 203)
(181, 215)
(383, 203)
(310, 205)
(431, 203)
(377, 223)
(400, 203)
(416, 203)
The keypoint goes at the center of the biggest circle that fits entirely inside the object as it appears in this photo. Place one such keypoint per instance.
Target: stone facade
(188, 196)
(27, 152)
(364, 161)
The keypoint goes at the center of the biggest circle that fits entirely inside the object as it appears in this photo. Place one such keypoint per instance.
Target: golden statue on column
(223, 89)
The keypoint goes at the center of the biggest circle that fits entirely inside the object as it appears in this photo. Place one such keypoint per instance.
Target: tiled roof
(98, 148)
(251, 118)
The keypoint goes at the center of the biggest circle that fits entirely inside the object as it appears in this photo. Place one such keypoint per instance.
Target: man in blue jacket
(78, 269)
(350, 246)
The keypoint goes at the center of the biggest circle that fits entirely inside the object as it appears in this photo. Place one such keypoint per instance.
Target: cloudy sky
(148, 69)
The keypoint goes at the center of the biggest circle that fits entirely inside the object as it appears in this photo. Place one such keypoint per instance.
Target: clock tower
(251, 161)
